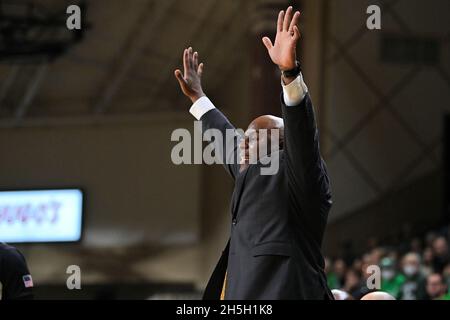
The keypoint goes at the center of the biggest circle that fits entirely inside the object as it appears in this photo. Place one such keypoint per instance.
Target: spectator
(429, 238)
(414, 286)
(391, 281)
(353, 284)
(339, 269)
(392, 254)
(376, 255)
(372, 243)
(357, 264)
(332, 279)
(422, 257)
(427, 263)
(416, 245)
(368, 261)
(436, 287)
(441, 254)
(446, 275)
(348, 254)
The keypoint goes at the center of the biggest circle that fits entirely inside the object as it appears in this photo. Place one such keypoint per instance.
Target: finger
(195, 60)
(267, 43)
(280, 21)
(294, 21)
(180, 78)
(287, 19)
(296, 33)
(186, 61)
(191, 59)
(200, 69)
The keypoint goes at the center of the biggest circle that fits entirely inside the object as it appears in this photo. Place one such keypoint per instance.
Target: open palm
(283, 52)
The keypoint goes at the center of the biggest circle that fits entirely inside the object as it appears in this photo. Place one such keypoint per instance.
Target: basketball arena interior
(87, 115)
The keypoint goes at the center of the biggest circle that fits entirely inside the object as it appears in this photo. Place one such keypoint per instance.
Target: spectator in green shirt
(332, 279)
(391, 281)
(414, 286)
(436, 287)
(446, 275)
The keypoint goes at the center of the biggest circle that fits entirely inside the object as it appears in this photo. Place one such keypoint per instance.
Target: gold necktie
(222, 295)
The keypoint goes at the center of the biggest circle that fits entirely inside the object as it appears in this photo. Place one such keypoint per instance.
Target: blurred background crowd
(412, 268)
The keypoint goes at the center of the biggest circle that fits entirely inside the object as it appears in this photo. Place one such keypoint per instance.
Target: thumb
(267, 43)
(179, 77)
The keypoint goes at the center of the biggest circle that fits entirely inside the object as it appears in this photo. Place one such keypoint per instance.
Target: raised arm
(205, 111)
(305, 169)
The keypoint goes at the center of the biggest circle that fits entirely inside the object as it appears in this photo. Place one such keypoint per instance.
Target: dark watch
(293, 73)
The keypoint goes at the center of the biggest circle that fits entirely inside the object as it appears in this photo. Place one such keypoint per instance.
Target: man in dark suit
(278, 220)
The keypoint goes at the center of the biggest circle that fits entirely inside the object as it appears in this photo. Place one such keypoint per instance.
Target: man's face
(339, 267)
(435, 286)
(427, 255)
(411, 265)
(388, 271)
(440, 246)
(263, 136)
(249, 145)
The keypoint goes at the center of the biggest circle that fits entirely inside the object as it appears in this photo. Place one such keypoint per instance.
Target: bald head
(272, 139)
(267, 122)
(378, 295)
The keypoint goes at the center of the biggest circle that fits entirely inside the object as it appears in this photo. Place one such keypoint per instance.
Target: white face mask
(409, 270)
(387, 274)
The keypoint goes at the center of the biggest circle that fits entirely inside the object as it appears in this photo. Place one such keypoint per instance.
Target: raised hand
(283, 52)
(191, 81)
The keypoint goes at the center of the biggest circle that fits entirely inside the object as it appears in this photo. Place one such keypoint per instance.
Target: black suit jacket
(278, 221)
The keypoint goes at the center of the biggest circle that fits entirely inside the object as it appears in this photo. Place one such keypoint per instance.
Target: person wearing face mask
(391, 281)
(414, 286)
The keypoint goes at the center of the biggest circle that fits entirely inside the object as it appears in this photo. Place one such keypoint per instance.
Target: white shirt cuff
(201, 106)
(295, 92)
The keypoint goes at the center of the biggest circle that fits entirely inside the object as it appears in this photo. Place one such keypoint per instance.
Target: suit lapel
(237, 193)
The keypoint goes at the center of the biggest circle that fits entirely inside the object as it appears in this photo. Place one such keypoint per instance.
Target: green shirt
(332, 281)
(444, 297)
(393, 286)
